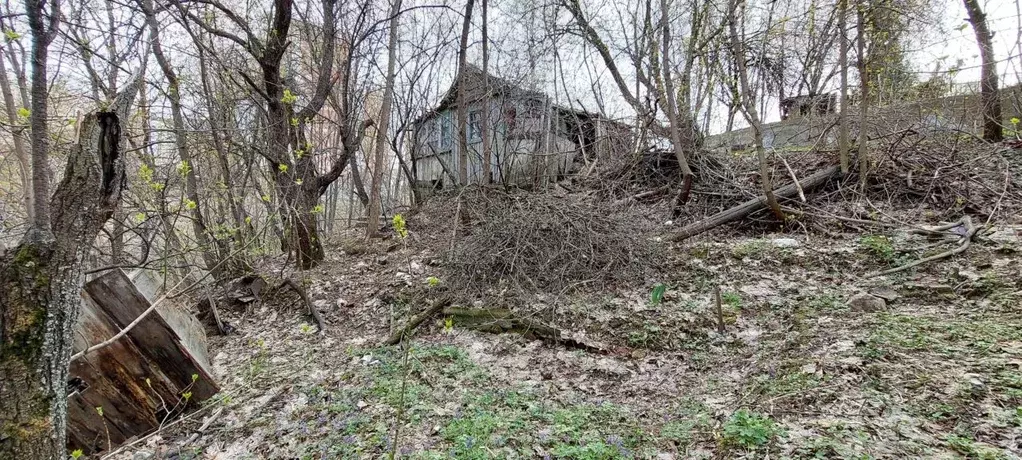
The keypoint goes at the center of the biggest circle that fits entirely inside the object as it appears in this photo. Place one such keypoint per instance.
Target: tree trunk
(748, 207)
(462, 110)
(188, 164)
(44, 29)
(358, 187)
(20, 152)
(748, 103)
(842, 123)
(863, 98)
(681, 130)
(373, 221)
(484, 122)
(992, 130)
(40, 282)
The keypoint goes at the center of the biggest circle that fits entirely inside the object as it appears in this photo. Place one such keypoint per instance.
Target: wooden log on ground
(500, 320)
(730, 215)
(400, 334)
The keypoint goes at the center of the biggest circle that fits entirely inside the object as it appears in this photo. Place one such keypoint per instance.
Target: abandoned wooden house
(810, 105)
(534, 142)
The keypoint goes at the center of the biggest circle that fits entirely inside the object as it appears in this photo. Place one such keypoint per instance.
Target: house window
(510, 118)
(475, 127)
(446, 129)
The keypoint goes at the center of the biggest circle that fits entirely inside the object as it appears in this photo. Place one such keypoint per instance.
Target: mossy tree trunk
(40, 280)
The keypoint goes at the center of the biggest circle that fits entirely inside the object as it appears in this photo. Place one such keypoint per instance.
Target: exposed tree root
(970, 232)
(305, 299)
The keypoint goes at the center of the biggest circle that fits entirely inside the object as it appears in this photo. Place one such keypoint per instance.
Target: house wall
(529, 152)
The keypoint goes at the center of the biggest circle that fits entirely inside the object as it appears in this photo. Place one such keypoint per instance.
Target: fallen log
(730, 215)
(400, 334)
(502, 320)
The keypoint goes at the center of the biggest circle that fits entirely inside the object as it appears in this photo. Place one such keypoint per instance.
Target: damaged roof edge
(498, 86)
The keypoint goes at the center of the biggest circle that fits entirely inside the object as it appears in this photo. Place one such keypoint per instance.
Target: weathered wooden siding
(531, 153)
(139, 380)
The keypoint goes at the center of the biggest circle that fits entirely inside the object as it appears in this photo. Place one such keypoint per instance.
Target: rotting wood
(730, 215)
(502, 320)
(140, 379)
(416, 320)
(498, 320)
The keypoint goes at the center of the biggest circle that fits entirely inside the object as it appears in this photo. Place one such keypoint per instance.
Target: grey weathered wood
(138, 379)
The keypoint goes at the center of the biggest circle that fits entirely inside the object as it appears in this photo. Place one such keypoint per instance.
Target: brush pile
(536, 242)
(921, 176)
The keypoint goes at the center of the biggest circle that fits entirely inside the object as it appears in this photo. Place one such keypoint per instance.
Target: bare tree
(40, 279)
(484, 126)
(18, 133)
(462, 107)
(748, 104)
(864, 98)
(44, 25)
(992, 130)
(372, 224)
(842, 124)
(188, 166)
(288, 152)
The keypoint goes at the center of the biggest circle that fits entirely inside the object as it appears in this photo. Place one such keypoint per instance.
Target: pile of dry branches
(926, 176)
(537, 242)
(945, 176)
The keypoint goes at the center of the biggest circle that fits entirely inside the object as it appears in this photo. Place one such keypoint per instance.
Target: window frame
(474, 126)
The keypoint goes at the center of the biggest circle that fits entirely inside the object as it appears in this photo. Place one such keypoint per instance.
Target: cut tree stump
(730, 215)
(140, 380)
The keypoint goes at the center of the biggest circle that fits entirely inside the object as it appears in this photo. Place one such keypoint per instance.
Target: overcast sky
(575, 73)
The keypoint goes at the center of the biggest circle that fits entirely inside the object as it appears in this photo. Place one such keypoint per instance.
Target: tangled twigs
(529, 241)
(970, 232)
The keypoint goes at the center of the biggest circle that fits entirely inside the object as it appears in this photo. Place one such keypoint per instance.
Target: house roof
(475, 91)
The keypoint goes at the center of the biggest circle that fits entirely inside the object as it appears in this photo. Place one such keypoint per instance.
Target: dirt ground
(928, 366)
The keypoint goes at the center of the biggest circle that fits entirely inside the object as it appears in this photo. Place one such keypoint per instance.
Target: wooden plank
(136, 380)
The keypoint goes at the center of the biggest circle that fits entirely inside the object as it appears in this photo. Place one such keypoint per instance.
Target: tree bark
(358, 186)
(681, 132)
(462, 110)
(44, 28)
(755, 204)
(748, 105)
(864, 97)
(990, 95)
(20, 152)
(484, 122)
(842, 115)
(372, 223)
(39, 290)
